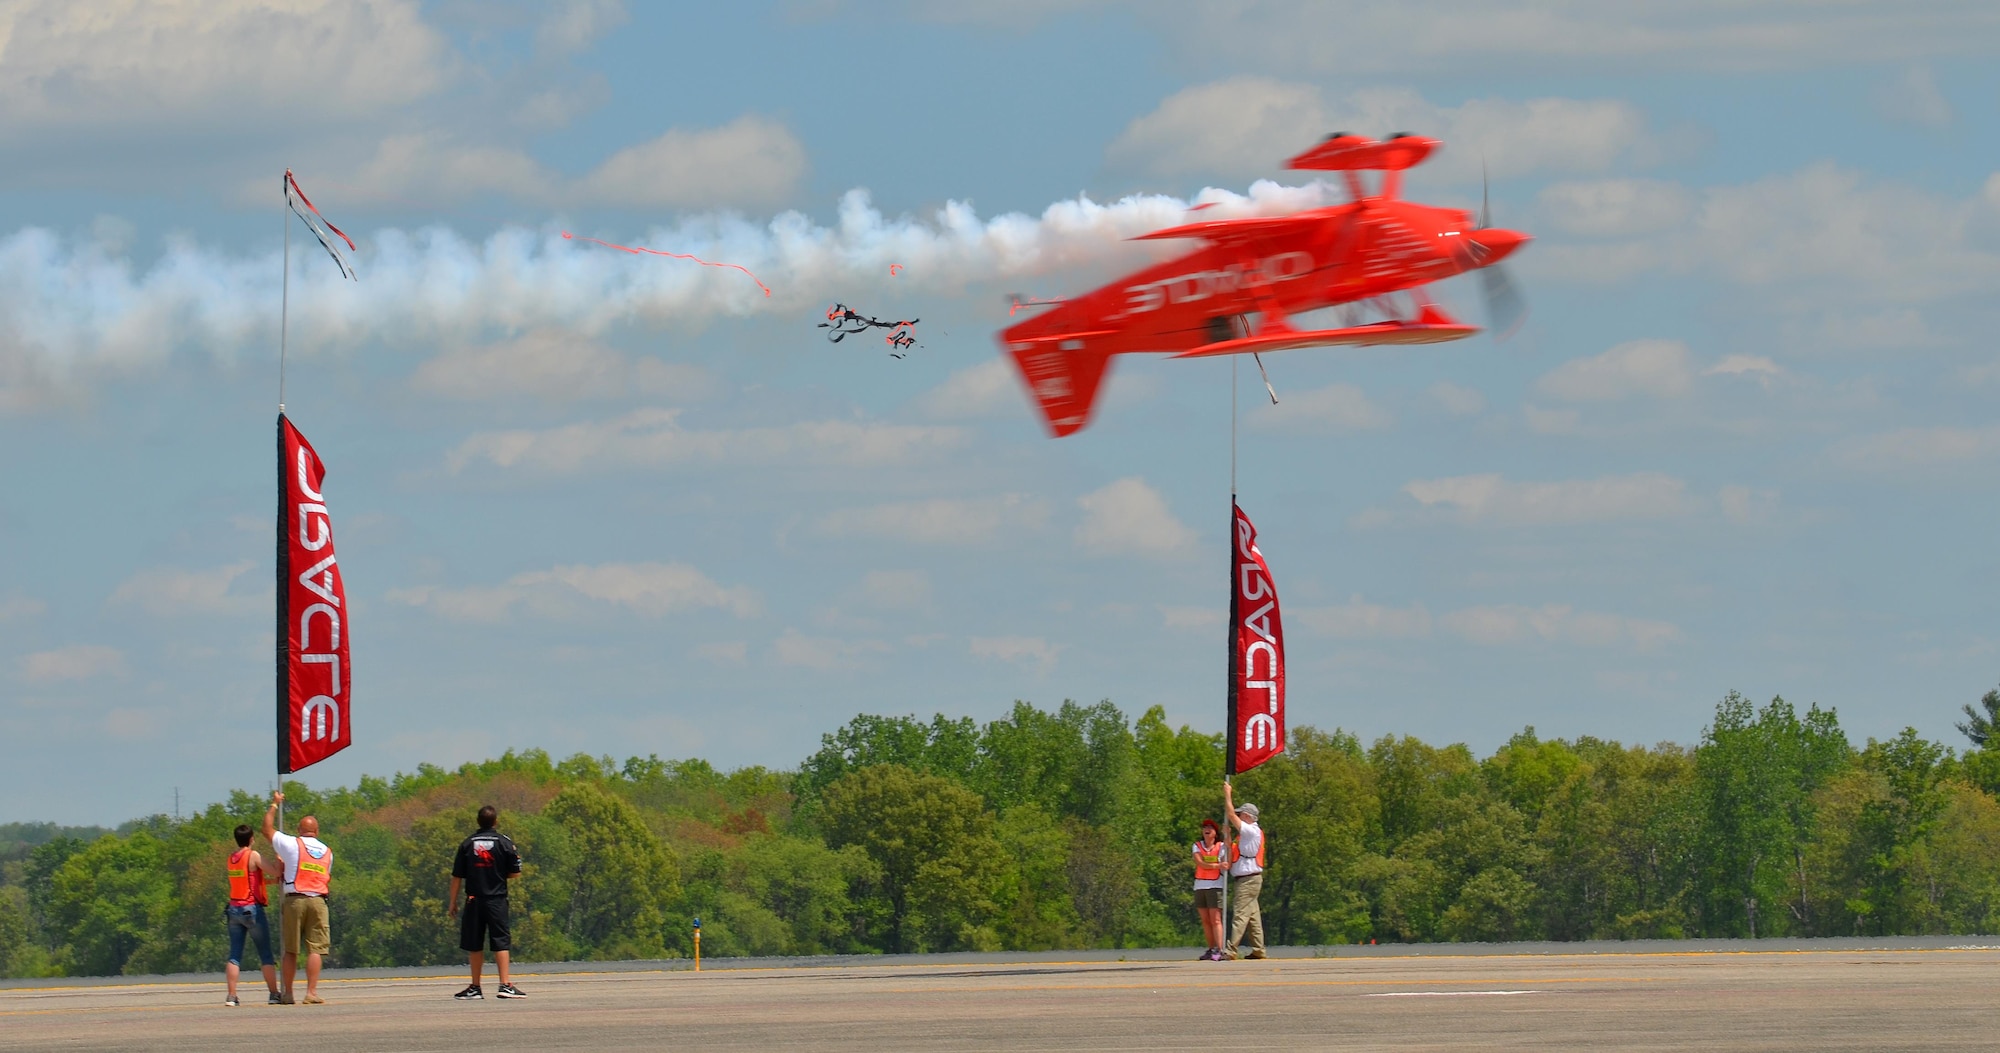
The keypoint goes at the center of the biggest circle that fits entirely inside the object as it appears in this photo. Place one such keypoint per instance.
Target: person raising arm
(1246, 873)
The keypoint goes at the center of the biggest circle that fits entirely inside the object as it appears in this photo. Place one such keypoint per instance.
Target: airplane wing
(1238, 231)
(1355, 153)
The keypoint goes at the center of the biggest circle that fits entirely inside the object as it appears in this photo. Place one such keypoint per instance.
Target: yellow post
(697, 945)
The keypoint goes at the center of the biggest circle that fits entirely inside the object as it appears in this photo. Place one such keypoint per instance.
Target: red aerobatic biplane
(1235, 294)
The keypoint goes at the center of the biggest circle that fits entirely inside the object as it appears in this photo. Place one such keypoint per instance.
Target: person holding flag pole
(1247, 867)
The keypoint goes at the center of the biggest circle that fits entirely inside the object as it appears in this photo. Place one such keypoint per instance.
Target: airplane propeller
(1506, 308)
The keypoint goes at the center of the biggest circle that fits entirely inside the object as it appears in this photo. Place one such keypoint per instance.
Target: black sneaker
(470, 994)
(275, 999)
(510, 991)
(231, 1001)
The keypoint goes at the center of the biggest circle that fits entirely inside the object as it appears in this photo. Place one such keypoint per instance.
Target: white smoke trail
(80, 307)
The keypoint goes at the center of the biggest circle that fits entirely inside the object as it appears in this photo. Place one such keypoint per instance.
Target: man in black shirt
(486, 862)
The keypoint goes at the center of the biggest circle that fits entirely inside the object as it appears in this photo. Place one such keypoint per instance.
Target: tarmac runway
(1926, 997)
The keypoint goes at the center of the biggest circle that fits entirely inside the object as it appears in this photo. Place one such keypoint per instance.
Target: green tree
(1429, 808)
(21, 950)
(933, 841)
(1980, 723)
(106, 900)
(1617, 840)
(1318, 809)
(775, 895)
(944, 747)
(1103, 884)
(392, 911)
(1757, 772)
(1890, 881)
(1037, 911)
(1960, 872)
(607, 880)
(1031, 756)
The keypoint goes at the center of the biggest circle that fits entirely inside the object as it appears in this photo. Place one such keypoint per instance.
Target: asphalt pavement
(1809, 995)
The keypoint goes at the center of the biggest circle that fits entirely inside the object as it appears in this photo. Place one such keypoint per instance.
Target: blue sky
(625, 505)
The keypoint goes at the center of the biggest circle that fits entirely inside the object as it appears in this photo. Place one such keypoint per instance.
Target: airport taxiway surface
(1928, 998)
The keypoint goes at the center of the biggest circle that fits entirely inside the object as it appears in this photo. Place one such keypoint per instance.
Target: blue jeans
(248, 921)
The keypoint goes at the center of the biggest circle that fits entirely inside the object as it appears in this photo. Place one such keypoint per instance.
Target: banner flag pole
(280, 568)
(1229, 719)
(280, 592)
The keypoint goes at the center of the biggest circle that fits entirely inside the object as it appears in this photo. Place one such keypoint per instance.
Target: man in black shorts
(486, 862)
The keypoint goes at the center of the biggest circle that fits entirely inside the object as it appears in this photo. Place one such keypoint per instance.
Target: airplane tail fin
(1063, 373)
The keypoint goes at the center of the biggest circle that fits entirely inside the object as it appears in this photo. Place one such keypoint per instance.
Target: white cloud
(732, 652)
(1660, 368)
(1334, 408)
(1742, 504)
(1920, 448)
(215, 65)
(1837, 240)
(1555, 623)
(1493, 499)
(751, 160)
(651, 438)
(1185, 617)
(1130, 517)
(1464, 38)
(409, 164)
(1828, 222)
(942, 521)
(1615, 207)
(134, 725)
(897, 590)
(1249, 125)
(1457, 400)
(574, 25)
(652, 590)
(1914, 98)
(20, 608)
(823, 653)
(988, 389)
(1029, 652)
(556, 366)
(1358, 619)
(169, 592)
(1741, 365)
(1552, 421)
(80, 662)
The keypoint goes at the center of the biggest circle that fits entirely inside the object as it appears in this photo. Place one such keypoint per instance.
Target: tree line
(1070, 829)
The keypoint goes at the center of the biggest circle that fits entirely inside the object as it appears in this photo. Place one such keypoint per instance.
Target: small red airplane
(1236, 294)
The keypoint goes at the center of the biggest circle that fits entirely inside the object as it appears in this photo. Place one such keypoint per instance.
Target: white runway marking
(1442, 994)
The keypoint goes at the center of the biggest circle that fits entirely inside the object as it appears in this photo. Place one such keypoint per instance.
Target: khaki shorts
(305, 925)
(1208, 899)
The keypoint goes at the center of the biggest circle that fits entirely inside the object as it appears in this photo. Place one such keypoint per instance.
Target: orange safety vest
(245, 885)
(312, 875)
(1208, 865)
(1237, 850)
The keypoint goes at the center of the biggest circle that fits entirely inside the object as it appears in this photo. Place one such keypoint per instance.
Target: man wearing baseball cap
(1246, 877)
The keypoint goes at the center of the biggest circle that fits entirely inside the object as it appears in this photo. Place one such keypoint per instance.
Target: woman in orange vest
(1209, 856)
(245, 914)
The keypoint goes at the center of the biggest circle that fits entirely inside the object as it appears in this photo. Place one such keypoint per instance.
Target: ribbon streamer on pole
(294, 197)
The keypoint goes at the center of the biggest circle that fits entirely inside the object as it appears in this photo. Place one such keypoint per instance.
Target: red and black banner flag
(1256, 653)
(314, 678)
